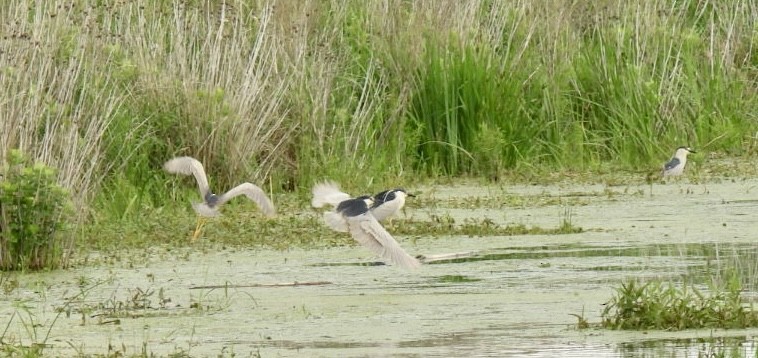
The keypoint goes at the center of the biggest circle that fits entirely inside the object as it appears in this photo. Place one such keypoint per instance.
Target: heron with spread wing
(355, 215)
(211, 203)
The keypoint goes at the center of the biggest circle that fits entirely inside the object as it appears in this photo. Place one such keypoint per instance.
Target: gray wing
(253, 193)
(671, 164)
(187, 166)
(327, 192)
(369, 233)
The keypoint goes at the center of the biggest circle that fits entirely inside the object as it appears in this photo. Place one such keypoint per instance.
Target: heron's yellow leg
(199, 228)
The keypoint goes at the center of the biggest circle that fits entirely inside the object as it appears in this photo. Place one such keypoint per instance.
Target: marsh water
(510, 296)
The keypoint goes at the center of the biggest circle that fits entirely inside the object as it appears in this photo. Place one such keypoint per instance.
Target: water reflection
(722, 347)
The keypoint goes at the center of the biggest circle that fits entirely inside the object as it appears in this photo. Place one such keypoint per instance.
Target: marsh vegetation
(366, 92)
(548, 293)
(96, 95)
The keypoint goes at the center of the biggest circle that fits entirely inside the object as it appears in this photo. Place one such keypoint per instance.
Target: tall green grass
(575, 85)
(365, 92)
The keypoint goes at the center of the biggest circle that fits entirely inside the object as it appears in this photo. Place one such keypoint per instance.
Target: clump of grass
(14, 346)
(34, 210)
(654, 305)
(488, 152)
(446, 225)
(566, 222)
(501, 201)
(581, 320)
(241, 226)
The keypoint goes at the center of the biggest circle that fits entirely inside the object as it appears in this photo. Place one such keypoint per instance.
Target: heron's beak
(691, 151)
(411, 195)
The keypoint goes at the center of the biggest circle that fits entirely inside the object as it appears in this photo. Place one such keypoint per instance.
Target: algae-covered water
(509, 295)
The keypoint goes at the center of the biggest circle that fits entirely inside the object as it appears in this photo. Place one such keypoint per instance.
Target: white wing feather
(327, 192)
(254, 193)
(189, 166)
(369, 233)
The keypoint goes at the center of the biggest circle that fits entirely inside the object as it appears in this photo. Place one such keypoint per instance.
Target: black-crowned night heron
(353, 215)
(675, 166)
(386, 204)
(212, 202)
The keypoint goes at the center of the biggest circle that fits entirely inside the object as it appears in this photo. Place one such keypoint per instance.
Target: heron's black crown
(385, 196)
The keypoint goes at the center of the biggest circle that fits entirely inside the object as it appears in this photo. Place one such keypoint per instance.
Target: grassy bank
(283, 93)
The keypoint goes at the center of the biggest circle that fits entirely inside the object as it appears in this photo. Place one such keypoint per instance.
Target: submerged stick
(442, 257)
(285, 284)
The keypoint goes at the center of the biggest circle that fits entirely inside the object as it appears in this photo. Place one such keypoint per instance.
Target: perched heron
(354, 215)
(212, 202)
(675, 166)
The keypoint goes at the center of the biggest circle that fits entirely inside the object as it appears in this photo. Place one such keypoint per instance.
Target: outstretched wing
(187, 166)
(254, 193)
(369, 233)
(327, 192)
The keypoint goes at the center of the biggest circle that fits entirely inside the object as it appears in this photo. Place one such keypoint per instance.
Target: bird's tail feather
(329, 193)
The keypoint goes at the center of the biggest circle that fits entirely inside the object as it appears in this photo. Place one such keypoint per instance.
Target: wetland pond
(510, 296)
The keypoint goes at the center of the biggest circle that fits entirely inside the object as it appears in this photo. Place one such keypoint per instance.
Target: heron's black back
(672, 163)
(353, 207)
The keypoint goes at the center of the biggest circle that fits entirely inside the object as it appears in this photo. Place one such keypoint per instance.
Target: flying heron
(675, 166)
(386, 204)
(211, 203)
(354, 215)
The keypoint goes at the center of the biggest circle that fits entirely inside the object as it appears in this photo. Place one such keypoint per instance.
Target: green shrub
(33, 212)
(656, 306)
